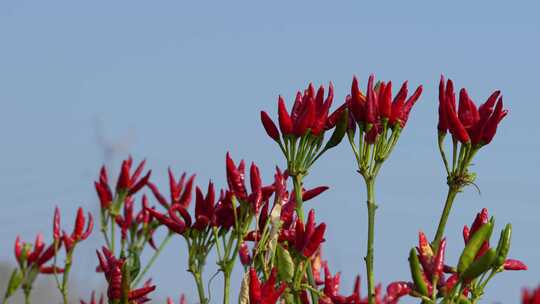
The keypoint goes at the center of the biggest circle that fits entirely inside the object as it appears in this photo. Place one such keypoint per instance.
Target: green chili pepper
(416, 273)
(474, 244)
(340, 130)
(504, 245)
(483, 264)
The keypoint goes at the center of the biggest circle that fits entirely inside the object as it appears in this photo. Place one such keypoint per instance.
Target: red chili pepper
(467, 112)
(385, 100)
(79, 233)
(235, 178)
(511, 264)
(103, 190)
(256, 187)
(398, 103)
(48, 254)
(139, 294)
(372, 102)
(38, 248)
(50, 270)
(396, 290)
(466, 234)
(492, 123)
(285, 121)
(56, 224)
(245, 258)
(481, 219)
(456, 127)
(255, 294)
(178, 227)
(357, 102)
(439, 259)
(312, 193)
(315, 240)
(442, 126)
(404, 113)
(306, 119)
(18, 248)
(269, 126)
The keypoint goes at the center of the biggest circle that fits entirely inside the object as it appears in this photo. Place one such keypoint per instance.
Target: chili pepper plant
(263, 225)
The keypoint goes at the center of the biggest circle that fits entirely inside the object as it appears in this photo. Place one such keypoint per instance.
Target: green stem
(152, 259)
(65, 277)
(297, 184)
(370, 183)
(227, 287)
(200, 287)
(112, 234)
(27, 290)
(452, 192)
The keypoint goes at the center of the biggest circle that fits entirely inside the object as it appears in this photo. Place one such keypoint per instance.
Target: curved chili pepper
(340, 130)
(269, 126)
(483, 264)
(416, 273)
(439, 259)
(474, 245)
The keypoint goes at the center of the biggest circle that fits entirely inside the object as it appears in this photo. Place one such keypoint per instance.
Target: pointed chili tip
(269, 126)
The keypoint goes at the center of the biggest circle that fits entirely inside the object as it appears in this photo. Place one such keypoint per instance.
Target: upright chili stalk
(452, 192)
(297, 184)
(372, 207)
(27, 290)
(380, 120)
(65, 277)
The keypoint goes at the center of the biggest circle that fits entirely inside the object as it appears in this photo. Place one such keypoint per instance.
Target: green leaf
(285, 264)
(134, 264)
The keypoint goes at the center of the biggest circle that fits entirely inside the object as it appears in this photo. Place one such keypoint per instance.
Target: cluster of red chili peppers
(263, 226)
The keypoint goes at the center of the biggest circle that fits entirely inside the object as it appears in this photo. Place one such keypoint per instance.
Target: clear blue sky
(185, 81)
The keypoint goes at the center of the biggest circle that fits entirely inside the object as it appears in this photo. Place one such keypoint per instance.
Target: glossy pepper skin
(36, 257)
(332, 295)
(377, 106)
(180, 190)
(469, 124)
(308, 238)
(103, 189)
(112, 268)
(309, 112)
(79, 232)
(480, 222)
(132, 183)
(264, 292)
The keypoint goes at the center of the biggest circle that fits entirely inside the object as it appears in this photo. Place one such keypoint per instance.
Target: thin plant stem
(152, 259)
(452, 192)
(226, 287)
(200, 287)
(65, 276)
(297, 184)
(370, 184)
(27, 290)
